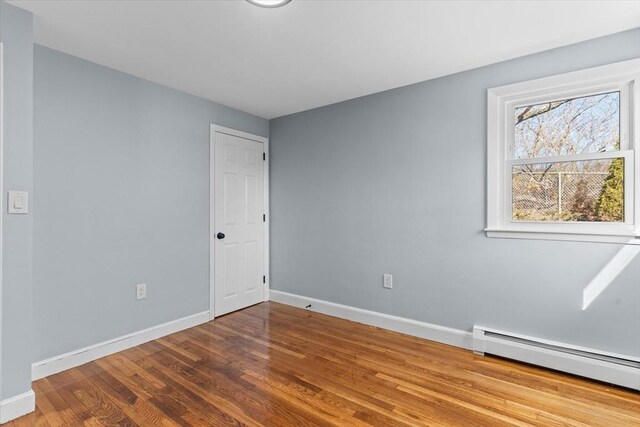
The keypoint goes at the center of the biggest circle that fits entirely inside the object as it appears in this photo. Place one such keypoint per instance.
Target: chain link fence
(555, 196)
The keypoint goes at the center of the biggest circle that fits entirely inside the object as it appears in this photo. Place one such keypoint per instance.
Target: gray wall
(17, 233)
(122, 188)
(395, 183)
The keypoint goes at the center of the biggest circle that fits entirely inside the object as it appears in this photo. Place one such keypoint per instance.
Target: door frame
(1, 196)
(212, 152)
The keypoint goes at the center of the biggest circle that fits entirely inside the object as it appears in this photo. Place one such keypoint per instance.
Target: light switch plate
(18, 202)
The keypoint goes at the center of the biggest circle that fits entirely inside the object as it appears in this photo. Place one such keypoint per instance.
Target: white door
(238, 197)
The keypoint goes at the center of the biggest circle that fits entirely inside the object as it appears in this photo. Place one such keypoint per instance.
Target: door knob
(220, 236)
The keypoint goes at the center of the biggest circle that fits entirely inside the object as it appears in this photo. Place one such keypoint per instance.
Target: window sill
(562, 236)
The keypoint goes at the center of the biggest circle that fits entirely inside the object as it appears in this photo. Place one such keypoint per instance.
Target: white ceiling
(273, 62)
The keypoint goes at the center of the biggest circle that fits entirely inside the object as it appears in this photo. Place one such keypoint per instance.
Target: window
(562, 156)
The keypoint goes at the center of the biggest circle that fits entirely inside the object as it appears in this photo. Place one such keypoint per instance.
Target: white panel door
(238, 223)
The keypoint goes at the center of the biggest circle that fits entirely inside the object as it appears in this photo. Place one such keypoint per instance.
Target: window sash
(569, 158)
(623, 87)
(629, 189)
(624, 152)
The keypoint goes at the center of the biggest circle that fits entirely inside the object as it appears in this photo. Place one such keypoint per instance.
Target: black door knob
(220, 236)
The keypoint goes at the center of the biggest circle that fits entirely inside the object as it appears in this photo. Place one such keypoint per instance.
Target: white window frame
(623, 77)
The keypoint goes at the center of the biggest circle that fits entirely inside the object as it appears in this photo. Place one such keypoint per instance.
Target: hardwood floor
(276, 365)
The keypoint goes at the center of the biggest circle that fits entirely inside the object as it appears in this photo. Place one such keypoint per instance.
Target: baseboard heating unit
(608, 367)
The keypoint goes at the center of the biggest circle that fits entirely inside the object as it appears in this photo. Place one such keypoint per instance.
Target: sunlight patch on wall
(607, 275)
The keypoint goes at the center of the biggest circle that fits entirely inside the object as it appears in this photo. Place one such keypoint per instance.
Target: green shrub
(610, 204)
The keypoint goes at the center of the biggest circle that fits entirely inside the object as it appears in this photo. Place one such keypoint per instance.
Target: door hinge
(264, 218)
(264, 156)
(264, 279)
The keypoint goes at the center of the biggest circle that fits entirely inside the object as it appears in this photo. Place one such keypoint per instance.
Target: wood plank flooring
(276, 365)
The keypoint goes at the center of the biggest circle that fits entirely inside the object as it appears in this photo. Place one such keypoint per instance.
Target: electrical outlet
(141, 291)
(387, 281)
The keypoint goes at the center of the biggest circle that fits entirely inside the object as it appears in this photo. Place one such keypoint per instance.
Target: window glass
(569, 191)
(589, 124)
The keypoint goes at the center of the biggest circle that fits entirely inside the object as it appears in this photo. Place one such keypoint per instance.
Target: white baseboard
(17, 406)
(441, 334)
(84, 355)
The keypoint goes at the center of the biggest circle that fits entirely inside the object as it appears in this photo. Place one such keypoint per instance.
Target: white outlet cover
(141, 291)
(387, 281)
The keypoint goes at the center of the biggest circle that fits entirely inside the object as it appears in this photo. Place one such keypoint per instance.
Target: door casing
(221, 129)
(1, 195)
